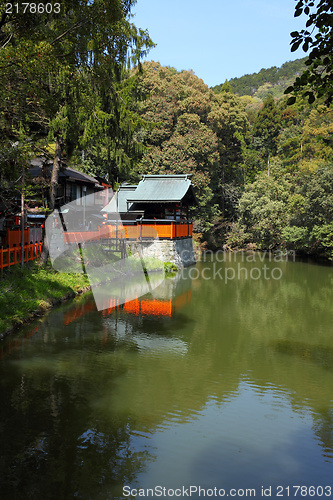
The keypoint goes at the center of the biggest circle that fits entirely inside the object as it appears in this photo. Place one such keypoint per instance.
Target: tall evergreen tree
(266, 127)
(62, 68)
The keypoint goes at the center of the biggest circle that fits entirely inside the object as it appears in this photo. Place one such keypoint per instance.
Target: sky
(219, 39)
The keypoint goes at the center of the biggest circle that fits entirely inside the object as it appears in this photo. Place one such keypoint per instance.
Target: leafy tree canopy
(267, 126)
(317, 39)
(192, 130)
(64, 72)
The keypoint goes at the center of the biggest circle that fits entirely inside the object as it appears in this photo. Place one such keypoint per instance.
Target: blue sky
(219, 39)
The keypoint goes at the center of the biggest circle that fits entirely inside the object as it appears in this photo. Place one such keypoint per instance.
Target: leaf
(289, 89)
(298, 12)
(291, 100)
(306, 10)
(294, 34)
(295, 45)
(305, 46)
(311, 98)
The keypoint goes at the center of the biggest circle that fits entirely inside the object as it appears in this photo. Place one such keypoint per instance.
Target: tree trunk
(55, 172)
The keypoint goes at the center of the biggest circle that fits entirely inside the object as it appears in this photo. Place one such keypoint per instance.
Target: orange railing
(12, 255)
(12, 236)
(146, 229)
(168, 229)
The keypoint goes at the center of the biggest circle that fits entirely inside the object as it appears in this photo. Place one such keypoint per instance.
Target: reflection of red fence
(148, 307)
(12, 255)
(78, 311)
(147, 229)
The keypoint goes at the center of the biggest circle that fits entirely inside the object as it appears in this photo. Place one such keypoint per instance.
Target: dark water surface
(222, 379)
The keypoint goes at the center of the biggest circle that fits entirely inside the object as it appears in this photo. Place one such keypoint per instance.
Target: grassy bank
(30, 291)
(27, 292)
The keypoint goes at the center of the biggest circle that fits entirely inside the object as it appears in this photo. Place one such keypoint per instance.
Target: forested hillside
(262, 169)
(190, 129)
(274, 80)
(263, 172)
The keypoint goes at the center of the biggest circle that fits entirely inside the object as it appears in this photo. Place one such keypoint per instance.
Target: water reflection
(206, 382)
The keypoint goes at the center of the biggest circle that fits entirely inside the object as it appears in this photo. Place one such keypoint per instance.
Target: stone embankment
(179, 252)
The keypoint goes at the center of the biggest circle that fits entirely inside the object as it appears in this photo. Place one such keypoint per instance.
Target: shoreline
(29, 293)
(49, 289)
(41, 311)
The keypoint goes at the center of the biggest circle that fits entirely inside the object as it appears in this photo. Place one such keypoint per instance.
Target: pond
(219, 383)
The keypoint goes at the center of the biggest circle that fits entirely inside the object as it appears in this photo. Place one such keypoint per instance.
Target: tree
(262, 213)
(266, 128)
(110, 142)
(310, 227)
(63, 70)
(228, 120)
(226, 87)
(317, 79)
(196, 131)
(179, 139)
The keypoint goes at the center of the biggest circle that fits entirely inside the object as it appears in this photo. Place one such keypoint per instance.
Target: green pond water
(222, 379)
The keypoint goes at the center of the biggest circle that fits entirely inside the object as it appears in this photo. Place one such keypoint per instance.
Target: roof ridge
(166, 176)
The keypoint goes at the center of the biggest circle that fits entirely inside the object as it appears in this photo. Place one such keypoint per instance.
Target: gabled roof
(68, 173)
(119, 201)
(163, 189)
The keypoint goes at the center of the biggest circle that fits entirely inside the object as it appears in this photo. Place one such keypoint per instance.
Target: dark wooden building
(162, 201)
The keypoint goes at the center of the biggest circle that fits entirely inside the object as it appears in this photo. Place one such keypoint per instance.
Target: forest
(274, 80)
(77, 92)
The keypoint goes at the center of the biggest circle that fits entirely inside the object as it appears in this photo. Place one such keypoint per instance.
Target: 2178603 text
(32, 8)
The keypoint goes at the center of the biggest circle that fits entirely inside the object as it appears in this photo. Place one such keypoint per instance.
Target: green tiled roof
(162, 189)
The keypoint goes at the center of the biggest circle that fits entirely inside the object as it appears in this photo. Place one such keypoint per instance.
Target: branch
(77, 25)
(8, 40)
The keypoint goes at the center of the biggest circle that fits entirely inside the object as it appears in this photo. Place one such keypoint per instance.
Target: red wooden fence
(12, 255)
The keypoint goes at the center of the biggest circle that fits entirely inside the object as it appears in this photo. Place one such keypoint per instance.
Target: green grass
(34, 289)
(25, 291)
(170, 268)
